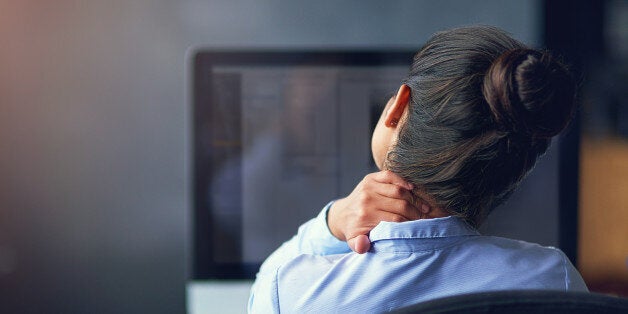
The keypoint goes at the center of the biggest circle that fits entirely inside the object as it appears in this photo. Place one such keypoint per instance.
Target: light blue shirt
(408, 262)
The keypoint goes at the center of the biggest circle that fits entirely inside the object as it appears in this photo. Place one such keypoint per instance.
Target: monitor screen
(277, 135)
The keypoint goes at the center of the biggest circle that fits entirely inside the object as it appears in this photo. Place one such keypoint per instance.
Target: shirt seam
(565, 270)
(326, 210)
(430, 237)
(428, 250)
(277, 290)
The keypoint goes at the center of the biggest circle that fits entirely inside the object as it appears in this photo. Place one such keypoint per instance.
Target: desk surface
(218, 296)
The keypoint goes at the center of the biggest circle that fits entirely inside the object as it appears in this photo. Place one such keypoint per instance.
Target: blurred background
(94, 131)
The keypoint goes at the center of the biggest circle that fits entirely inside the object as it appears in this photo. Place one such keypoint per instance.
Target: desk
(216, 296)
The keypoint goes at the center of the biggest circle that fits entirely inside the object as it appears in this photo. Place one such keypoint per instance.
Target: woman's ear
(397, 108)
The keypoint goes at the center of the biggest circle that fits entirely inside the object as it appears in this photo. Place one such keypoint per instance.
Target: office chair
(524, 302)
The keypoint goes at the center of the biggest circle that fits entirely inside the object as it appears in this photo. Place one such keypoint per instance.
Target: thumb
(359, 244)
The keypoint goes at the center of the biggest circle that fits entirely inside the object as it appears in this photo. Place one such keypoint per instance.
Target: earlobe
(398, 107)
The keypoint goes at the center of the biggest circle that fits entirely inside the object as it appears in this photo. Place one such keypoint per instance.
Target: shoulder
(528, 264)
(287, 285)
(515, 246)
(515, 252)
(302, 281)
(305, 266)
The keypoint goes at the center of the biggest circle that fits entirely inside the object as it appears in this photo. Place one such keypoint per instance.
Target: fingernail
(425, 208)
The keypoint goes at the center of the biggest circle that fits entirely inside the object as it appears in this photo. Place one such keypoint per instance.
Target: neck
(422, 200)
(435, 213)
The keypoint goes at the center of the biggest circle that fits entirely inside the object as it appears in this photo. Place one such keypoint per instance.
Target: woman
(476, 111)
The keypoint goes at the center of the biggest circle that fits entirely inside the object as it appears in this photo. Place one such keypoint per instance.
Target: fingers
(396, 200)
(372, 209)
(401, 208)
(392, 191)
(359, 244)
(389, 184)
(390, 178)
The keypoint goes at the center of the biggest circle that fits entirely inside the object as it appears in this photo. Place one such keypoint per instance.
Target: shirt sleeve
(314, 238)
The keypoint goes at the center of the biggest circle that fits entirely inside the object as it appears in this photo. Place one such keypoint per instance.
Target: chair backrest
(523, 301)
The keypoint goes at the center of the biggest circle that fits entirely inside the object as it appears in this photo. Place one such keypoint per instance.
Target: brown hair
(483, 108)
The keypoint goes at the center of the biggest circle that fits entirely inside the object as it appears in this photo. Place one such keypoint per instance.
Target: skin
(383, 195)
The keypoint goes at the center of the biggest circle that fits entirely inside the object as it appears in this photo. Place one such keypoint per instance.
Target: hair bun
(529, 93)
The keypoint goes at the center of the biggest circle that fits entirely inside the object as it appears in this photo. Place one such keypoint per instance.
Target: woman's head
(476, 111)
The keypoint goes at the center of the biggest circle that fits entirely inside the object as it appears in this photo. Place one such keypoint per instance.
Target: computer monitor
(279, 134)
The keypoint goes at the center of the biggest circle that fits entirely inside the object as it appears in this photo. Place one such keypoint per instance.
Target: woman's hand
(380, 196)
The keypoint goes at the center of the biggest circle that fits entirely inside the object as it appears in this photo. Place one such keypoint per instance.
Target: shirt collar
(436, 228)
